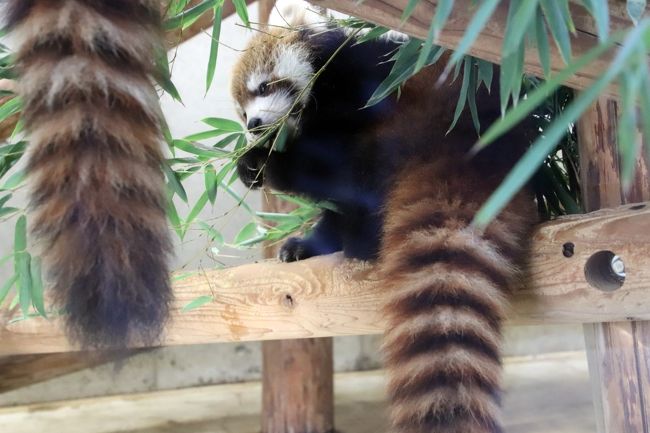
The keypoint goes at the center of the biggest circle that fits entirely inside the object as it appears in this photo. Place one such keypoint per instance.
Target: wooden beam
(18, 371)
(488, 45)
(618, 352)
(327, 296)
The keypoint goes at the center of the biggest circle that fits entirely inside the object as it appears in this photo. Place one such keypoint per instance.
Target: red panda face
(271, 80)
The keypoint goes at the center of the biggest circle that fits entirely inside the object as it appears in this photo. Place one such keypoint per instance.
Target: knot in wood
(568, 249)
(287, 301)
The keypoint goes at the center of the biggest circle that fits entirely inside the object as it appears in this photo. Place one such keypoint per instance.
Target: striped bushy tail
(98, 201)
(447, 299)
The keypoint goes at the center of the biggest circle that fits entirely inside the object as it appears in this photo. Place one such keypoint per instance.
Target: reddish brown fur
(449, 288)
(98, 199)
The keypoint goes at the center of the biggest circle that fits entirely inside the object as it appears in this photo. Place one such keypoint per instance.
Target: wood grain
(327, 296)
(488, 45)
(617, 351)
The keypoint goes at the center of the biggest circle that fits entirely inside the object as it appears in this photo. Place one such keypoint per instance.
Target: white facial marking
(269, 108)
(255, 79)
(292, 63)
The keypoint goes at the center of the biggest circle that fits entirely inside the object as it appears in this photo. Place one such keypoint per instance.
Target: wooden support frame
(618, 352)
(328, 296)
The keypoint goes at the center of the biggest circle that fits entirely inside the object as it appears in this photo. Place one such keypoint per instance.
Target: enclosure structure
(328, 296)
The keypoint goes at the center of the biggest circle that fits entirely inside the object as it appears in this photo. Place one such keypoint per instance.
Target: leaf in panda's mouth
(273, 138)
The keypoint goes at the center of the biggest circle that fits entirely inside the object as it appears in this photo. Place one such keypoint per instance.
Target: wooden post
(297, 375)
(618, 353)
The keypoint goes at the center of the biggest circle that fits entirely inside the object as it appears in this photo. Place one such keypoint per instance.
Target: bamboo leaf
(22, 261)
(443, 10)
(174, 219)
(474, 28)
(485, 73)
(196, 303)
(599, 9)
(204, 135)
(471, 95)
(210, 178)
(163, 74)
(189, 16)
(14, 180)
(538, 151)
(535, 98)
(636, 9)
(223, 124)
(4, 211)
(522, 18)
(207, 152)
(246, 233)
(372, 34)
(557, 25)
(460, 105)
(214, 44)
(541, 39)
(214, 235)
(198, 207)
(37, 286)
(242, 11)
(408, 10)
(9, 108)
(174, 182)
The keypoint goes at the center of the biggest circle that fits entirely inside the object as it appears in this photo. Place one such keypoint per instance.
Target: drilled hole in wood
(568, 249)
(605, 271)
(637, 207)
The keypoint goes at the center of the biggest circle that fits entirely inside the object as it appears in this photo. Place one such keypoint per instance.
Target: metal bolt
(618, 267)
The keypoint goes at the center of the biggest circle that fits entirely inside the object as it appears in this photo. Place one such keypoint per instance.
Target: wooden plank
(488, 45)
(18, 371)
(327, 296)
(617, 351)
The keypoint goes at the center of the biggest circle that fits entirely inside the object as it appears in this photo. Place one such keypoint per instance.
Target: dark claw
(294, 249)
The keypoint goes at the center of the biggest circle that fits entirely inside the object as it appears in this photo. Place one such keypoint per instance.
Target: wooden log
(298, 386)
(488, 45)
(618, 352)
(328, 296)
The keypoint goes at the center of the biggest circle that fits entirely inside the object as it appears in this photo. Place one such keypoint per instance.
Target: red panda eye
(263, 88)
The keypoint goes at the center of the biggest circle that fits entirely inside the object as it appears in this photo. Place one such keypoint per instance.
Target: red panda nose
(255, 122)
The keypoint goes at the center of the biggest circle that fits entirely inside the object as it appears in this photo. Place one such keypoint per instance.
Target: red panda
(98, 194)
(405, 195)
